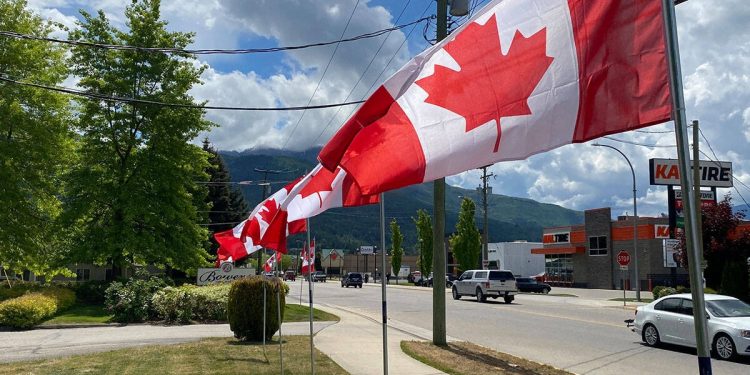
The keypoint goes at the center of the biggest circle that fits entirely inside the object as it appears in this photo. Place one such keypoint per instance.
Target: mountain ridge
(509, 218)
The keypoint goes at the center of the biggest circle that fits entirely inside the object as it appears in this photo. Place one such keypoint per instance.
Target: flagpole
(278, 312)
(690, 208)
(263, 270)
(383, 280)
(310, 299)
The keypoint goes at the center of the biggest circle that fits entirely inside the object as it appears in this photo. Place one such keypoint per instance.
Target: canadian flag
(324, 190)
(308, 259)
(314, 193)
(520, 78)
(271, 262)
(253, 234)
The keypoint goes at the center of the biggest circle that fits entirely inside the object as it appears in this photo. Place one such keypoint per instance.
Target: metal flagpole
(264, 303)
(278, 314)
(383, 280)
(688, 199)
(310, 298)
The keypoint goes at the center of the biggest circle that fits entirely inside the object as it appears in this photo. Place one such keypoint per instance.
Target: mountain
(509, 218)
(743, 208)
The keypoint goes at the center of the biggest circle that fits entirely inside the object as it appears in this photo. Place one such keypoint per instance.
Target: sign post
(623, 259)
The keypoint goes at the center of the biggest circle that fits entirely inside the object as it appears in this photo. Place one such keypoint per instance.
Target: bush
(245, 307)
(210, 301)
(656, 291)
(709, 291)
(33, 308)
(667, 291)
(173, 305)
(91, 291)
(682, 289)
(131, 301)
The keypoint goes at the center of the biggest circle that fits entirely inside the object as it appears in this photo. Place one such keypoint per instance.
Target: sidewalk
(356, 344)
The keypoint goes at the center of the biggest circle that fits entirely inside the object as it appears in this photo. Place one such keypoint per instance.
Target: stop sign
(623, 258)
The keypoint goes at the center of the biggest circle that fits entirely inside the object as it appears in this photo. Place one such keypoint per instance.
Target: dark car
(449, 279)
(319, 276)
(352, 279)
(527, 284)
(290, 276)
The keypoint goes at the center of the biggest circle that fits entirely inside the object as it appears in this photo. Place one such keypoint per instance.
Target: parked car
(319, 276)
(449, 279)
(486, 283)
(528, 284)
(414, 276)
(352, 279)
(670, 320)
(290, 276)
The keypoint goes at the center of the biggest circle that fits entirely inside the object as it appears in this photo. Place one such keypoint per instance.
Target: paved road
(580, 335)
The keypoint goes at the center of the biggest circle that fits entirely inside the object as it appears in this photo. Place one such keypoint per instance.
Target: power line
(361, 76)
(716, 161)
(299, 120)
(385, 68)
(121, 47)
(636, 143)
(109, 98)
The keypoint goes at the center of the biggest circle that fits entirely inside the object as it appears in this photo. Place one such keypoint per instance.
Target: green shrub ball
(245, 307)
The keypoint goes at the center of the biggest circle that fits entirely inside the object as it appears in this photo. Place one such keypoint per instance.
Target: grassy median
(463, 358)
(208, 356)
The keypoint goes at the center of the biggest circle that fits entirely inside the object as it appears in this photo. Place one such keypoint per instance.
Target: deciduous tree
(423, 222)
(397, 252)
(466, 242)
(36, 144)
(133, 194)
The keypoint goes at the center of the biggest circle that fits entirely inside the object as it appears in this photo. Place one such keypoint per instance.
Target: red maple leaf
(322, 181)
(489, 85)
(268, 211)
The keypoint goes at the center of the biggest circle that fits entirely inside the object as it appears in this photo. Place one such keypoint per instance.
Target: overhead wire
(122, 47)
(374, 56)
(322, 76)
(122, 99)
(636, 143)
(717, 161)
(385, 68)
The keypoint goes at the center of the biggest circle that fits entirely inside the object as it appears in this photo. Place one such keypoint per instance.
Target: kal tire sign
(712, 173)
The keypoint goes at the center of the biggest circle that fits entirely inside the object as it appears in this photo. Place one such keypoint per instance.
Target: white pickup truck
(486, 283)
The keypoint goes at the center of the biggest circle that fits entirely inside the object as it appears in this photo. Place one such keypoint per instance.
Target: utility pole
(265, 185)
(697, 182)
(485, 230)
(438, 230)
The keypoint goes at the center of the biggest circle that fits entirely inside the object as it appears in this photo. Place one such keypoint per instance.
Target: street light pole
(635, 226)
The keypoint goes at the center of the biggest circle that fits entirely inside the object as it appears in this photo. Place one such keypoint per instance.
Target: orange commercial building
(585, 255)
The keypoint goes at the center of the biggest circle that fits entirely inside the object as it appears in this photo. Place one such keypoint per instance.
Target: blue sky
(715, 49)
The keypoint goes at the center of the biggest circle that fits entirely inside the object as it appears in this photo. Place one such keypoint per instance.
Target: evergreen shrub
(245, 307)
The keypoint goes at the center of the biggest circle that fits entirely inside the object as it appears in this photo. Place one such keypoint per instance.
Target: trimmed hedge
(245, 307)
(33, 308)
(192, 303)
(131, 301)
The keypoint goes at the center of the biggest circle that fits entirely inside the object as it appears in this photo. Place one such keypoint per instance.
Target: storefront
(586, 255)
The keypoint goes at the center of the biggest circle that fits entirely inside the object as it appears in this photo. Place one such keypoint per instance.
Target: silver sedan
(670, 320)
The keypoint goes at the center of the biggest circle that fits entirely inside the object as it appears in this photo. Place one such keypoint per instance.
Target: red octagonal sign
(623, 258)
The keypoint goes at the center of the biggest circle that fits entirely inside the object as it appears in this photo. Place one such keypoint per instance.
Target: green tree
(725, 250)
(228, 206)
(423, 222)
(397, 252)
(36, 145)
(133, 195)
(466, 242)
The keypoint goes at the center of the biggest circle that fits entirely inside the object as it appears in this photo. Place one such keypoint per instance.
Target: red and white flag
(253, 234)
(522, 77)
(271, 262)
(308, 259)
(324, 190)
(314, 193)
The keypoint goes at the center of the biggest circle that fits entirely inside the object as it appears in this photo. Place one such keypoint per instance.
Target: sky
(715, 59)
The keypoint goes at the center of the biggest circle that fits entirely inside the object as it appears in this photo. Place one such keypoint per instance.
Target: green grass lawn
(82, 314)
(205, 357)
(297, 313)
